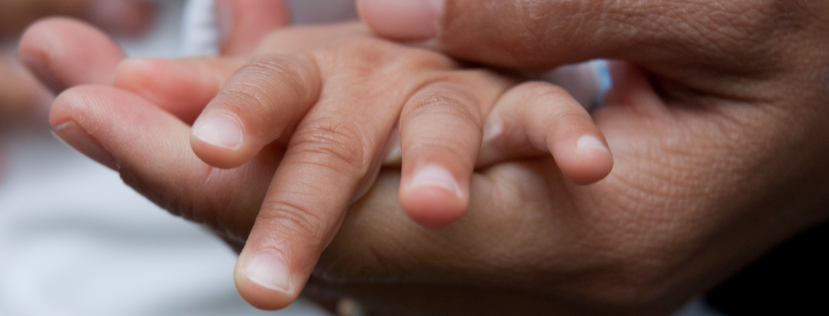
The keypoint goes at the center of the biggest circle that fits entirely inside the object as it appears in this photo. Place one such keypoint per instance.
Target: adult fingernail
(219, 130)
(76, 137)
(403, 19)
(590, 142)
(269, 270)
(435, 176)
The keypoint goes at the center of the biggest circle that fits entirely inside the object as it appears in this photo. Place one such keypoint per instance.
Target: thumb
(243, 23)
(545, 34)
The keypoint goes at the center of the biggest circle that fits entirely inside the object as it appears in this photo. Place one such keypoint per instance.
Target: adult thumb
(543, 34)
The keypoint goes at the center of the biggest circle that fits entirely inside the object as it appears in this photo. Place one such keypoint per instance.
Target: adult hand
(20, 93)
(715, 122)
(21, 97)
(64, 52)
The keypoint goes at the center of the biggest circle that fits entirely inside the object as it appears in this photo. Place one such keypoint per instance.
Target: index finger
(334, 150)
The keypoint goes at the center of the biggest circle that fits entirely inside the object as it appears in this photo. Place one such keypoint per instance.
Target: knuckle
(297, 222)
(543, 92)
(367, 56)
(247, 96)
(444, 102)
(336, 144)
(263, 81)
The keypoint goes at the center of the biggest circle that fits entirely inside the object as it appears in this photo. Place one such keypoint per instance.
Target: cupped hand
(715, 123)
(713, 167)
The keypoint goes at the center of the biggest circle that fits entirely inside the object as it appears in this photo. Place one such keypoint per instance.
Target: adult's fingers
(151, 150)
(538, 117)
(63, 52)
(243, 23)
(182, 87)
(21, 96)
(441, 130)
(255, 107)
(120, 16)
(543, 34)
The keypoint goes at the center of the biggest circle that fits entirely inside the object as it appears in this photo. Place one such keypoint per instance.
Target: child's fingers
(441, 131)
(254, 107)
(182, 87)
(333, 153)
(64, 52)
(536, 118)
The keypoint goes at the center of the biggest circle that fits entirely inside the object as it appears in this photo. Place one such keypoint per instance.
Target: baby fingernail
(220, 130)
(403, 19)
(74, 136)
(589, 142)
(435, 176)
(269, 270)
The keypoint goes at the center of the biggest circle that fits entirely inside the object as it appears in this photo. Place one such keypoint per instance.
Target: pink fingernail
(76, 137)
(403, 19)
(269, 270)
(589, 141)
(435, 176)
(219, 130)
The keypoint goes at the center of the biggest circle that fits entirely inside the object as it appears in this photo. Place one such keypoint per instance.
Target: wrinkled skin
(715, 123)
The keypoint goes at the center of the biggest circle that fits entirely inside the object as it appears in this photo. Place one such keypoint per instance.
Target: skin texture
(325, 141)
(717, 133)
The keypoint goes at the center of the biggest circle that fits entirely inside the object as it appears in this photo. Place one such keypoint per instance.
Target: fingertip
(264, 281)
(433, 198)
(63, 52)
(587, 162)
(218, 140)
(433, 208)
(413, 20)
